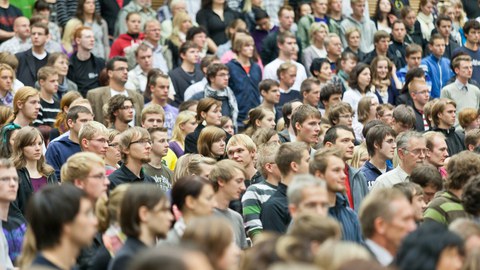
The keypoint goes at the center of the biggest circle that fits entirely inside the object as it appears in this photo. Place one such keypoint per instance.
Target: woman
(384, 16)
(193, 164)
(460, 18)
(215, 236)
(321, 69)
(366, 111)
(60, 125)
(113, 155)
(29, 160)
(209, 112)
(345, 65)
(87, 14)
(126, 42)
(211, 142)
(227, 124)
(360, 156)
(259, 118)
(317, 33)
(145, 216)
(59, 61)
(7, 135)
(265, 135)
(68, 40)
(215, 16)
(7, 76)
(353, 36)
(184, 124)
(414, 31)
(425, 18)
(193, 196)
(180, 26)
(385, 80)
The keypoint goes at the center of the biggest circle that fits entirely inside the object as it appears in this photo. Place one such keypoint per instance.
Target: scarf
(224, 95)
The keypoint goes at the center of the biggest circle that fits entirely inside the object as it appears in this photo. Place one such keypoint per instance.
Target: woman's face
(354, 40)
(363, 159)
(450, 259)
(450, 12)
(274, 139)
(189, 126)
(113, 151)
(61, 65)
(320, 34)
(187, 24)
(230, 257)
(204, 203)
(373, 109)
(325, 72)
(218, 147)
(268, 121)
(348, 65)
(427, 8)
(458, 11)
(89, 7)
(133, 24)
(33, 152)
(228, 127)
(410, 19)
(382, 69)
(364, 78)
(213, 115)
(247, 50)
(385, 6)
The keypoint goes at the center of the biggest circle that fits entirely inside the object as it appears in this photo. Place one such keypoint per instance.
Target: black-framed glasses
(142, 142)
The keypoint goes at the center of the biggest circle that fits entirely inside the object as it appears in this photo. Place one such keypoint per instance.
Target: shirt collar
(460, 85)
(382, 255)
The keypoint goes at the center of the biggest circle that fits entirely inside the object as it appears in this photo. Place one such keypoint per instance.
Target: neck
(119, 87)
(284, 57)
(244, 61)
(135, 166)
(418, 106)
(154, 43)
(405, 169)
(332, 198)
(188, 67)
(161, 102)
(318, 44)
(287, 179)
(381, 53)
(354, 49)
(31, 166)
(268, 105)
(335, 14)
(457, 192)
(73, 136)
(155, 161)
(46, 96)
(21, 120)
(318, 15)
(216, 6)
(378, 162)
(4, 210)
(3, 92)
(443, 125)
(222, 200)
(120, 125)
(356, 17)
(332, 58)
(215, 87)
(63, 255)
(272, 180)
(38, 49)
(110, 162)
(463, 80)
(251, 171)
(283, 86)
(83, 55)
(61, 78)
(471, 45)
(146, 236)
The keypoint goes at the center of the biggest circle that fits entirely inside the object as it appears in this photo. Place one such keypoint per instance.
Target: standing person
(49, 105)
(216, 16)
(162, 175)
(119, 113)
(437, 151)
(26, 105)
(133, 35)
(310, 91)
(242, 149)
(471, 30)
(444, 28)
(93, 137)
(20, 41)
(426, 18)
(398, 46)
(384, 79)
(358, 20)
(161, 55)
(287, 74)
(413, 57)
(306, 23)
(145, 216)
(7, 76)
(137, 77)
(306, 125)
(270, 93)
(317, 33)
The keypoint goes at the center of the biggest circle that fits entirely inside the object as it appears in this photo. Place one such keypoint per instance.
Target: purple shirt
(171, 114)
(38, 183)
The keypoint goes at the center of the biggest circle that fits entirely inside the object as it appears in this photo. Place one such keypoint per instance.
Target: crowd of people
(240, 135)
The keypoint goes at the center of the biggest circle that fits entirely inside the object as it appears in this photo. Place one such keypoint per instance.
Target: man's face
(96, 183)
(160, 89)
(387, 149)
(314, 201)
(410, 19)
(6, 80)
(119, 74)
(153, 120)
(8, 184)
(30, 108)
(358, 8)
(272, 96)
(308, 130)
(334, 47)
(87, 40)
(234, 188)
(421, 93)
(345, 141)
(445, 28)
(22, 28)
(464, 70)
(438, 47)
(153, 31)
(39, 37)
(382, 45)
(288, 48)
(83, 228)
(144, 59)
(414, 60)
(334, 174)
(286, 19)
(400, 127)
(447, 117)
(414, 154)
(159, 144)
(139, 149)
(429, 193)
(320, 7)
(50, 85)
(302, 167)
(81, 120)
(334, 99)
(288, 77)
(264, 24)
(200, 39)
(402, 222)
(399, 32)
(473, 36)
(191, 56)
(240, 154)
(313, 97)
(439, 152)
(387, 117)
(125, 113)
(98, 144)
(220, 81)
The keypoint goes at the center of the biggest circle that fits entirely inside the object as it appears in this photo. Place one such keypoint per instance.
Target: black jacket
(455, 140)
(27, 71)
(124, 176)
(126, 254)
(25, 188)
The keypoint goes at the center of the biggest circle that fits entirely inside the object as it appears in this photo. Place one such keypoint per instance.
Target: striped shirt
(48, 113)
(252, 201)
(445, 208)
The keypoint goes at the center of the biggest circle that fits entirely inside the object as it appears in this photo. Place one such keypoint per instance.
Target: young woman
(366, 111)
(215, 16)
(113, 155)
(384, 15)
(360, 156)
(193, 164)
(259, 118)
(265, 135)
(209, 112)
(425, 18)
(7, 135)
(7, 76)
(180, 25)
(316, 33)
(68, 41)
(345, 65)
(59, 61)
(133, 36)
(353, 36)
(460, 18)
(60, 125)
(384, 79)
(321, 69)
(32, 169)
(185, 123)
(227, 124)
(360, 85)
(212, 142)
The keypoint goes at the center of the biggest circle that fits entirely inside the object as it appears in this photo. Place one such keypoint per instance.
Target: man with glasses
(420, 95)
(93, 137)
(120, 112)
(117, 71)
(443, 115)
(135, 146)
(411, 150)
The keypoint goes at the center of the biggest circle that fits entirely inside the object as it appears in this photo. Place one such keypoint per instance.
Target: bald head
(21, 27)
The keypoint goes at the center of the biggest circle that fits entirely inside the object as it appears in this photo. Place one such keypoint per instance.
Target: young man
(471, 29)
(328, 164)
(30, 61)
(159, 87)
(117, 71)
(411, 150)
(60, 150)
(59, 238)
(356, 188)
(153, 116)
(270, 92)
(310, 91)
(228, 179)
(186, 74)
(380, 141)
(93, 137)
(143, 8)
(161, 55)
(381, 39)
(444, 28)
(437, 151)
(135, 146)
(447, 206)
(443, 115)
(472, 140)
(403, 118)
(287, 74)
(341, 114)
(84, 67)
(291, 159)
(358, 20)
(398, 47)
(21, 41)
(242, 149)
(306, 125)
(287, 44)
(49, 106)
(162, 175)
(387, 217)
(413, 57)
(429, 178)
(257, 194)
(120, 112)
(137, 77)
(437, 66)
(288, 133)
(330, 95)
(8, 193)
(200, 85)
(465, 94)
(420, 94)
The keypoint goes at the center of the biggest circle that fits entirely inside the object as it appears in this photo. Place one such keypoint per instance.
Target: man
(187, 73)
(358, 20)
(342, 137)
(328, 164)
(307, 195)
(472, 140)
(429, 178)
(443, 115)
(306, 125)
(411, 150)
(380, 141)
(21, 40)
(465, 94)
(120, 112)
(403, 118)
(330, 95)
(117, 72)
(137, 77)
(291, 159)
(200, 85)
(93, 137)
(420, 95)
(447, 205)
(10, 13)
(30, 61)
(437, 66)
(135, 146)
(381, 39)
(387, 217)
(257, 194)
(58, 151)
(398, 46)
(287, 74)
(341, 114)
(8, 193)
(242, 149)
(228, 179)
(319, 14)
(49, 106)
(333, 46)
(413, 57)
(84, 68)
(161, 55)
(287, 44)
(158, 89)
(143, 7)
(153, 116)
(444, 28)
(471, 29)
(162, 175)
(270, 92)
(310, 91)
(437, 151)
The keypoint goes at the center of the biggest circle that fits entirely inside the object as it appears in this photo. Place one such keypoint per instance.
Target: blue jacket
(245, 87)
(439, 72)
(358, 187)
(347, 218)
(371, 173)
(59, 151)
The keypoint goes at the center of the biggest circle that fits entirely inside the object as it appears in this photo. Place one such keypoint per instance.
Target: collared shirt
(123, 176)
(387, 180)
(157, 55)
(7, 100)
(382, 255)
(460, 85)
(15, 45)
(137, 80)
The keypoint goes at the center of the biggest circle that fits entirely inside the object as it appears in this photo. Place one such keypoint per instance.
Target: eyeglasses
(8, 179)
(142, 142)
(417, 152)
(101, 140)
(421, 92)
(101, 176)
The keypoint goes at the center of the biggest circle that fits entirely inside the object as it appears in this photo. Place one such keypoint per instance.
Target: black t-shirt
(85, 73)
(8, 16)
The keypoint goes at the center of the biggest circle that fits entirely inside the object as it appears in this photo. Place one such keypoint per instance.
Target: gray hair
(328, 39)
(300, 183)
(404, 138)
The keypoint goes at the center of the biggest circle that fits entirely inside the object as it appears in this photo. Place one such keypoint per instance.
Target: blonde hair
(241, 40)
(332, 254)
(107, 208)
(358, 152)
(21, 96)
(79, 166)
(26, 136)
(68, 34)
(242, 140)
(90, 129)
(224, 171)
(315, 27)
(5, 114)
(177, 21)
(190, 164)
(183, 117)
(8, 68)
(29, 250)
(66, 101)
